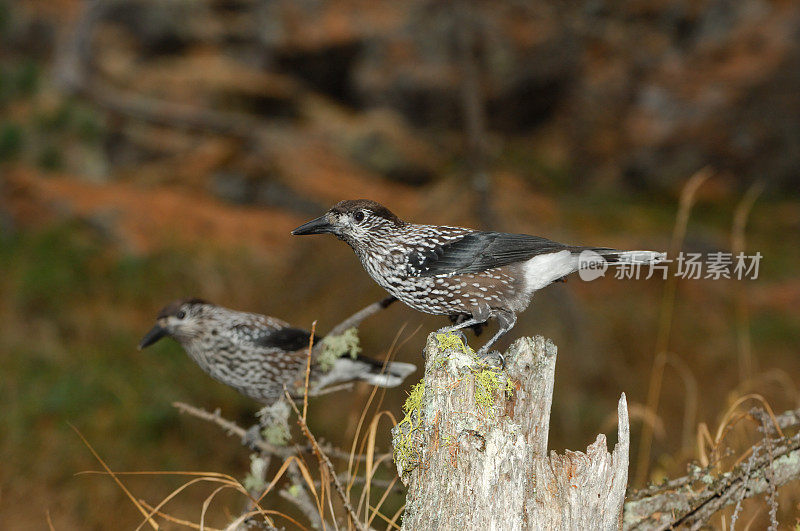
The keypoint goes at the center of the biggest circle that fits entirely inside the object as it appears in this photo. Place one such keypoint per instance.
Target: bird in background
(257, 355)
(468, 275)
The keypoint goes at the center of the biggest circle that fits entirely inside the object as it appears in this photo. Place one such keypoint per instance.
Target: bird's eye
(181, 314)
(359, 216)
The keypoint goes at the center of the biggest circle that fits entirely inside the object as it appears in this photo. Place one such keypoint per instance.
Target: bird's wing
(286, 339)
(261, 334)
(479, 251)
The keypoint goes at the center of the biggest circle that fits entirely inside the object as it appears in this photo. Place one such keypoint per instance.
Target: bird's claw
(462, 336)
(252, 437)
(458, 333)
(493, 357)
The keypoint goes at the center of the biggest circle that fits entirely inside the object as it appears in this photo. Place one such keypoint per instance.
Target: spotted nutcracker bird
(466, 274)
(256, 354)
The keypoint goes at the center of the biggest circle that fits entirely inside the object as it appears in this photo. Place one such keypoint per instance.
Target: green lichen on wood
(334, 347)
(449, 341)
(405, 453)
(489, 380)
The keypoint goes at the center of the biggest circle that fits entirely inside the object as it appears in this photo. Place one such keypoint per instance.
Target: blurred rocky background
(158, 149)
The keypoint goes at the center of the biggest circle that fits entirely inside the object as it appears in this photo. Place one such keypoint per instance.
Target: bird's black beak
(315, 226)
(155, 333)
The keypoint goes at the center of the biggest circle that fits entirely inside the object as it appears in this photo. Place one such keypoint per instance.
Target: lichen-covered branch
(231, 428)
(690, 501)
(472, 448)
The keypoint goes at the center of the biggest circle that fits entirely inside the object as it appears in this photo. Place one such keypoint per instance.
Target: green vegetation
(334, 347)
(405, 452)
(489, 380)
(72, 311)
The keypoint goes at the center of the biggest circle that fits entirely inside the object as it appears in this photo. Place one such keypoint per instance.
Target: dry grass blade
(160, 473)
(376, 509)
(323, 459)
(50, 525)
(215, 477)
(247, 515)
(282, 470)
(753, 518)
(177, 491)
(703, 439)
(141, 509)
(333, 513)
(690, 404)
(370, 465)
(207, 504)
(779, 376)
(353, 452)
(752, 396)
(393, 521)
(741, 214)
(232, 525)
(366, 408)
(365, 494)
(174, 520)
(665, 320)
(308, 368)
(323, 491)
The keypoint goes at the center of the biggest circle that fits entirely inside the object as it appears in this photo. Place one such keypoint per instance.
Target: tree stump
(472, 448)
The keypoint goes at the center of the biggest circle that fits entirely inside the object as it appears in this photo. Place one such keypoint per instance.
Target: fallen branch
(233, 429)
(691, 500)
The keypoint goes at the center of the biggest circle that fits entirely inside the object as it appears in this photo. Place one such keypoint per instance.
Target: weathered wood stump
(472, 449)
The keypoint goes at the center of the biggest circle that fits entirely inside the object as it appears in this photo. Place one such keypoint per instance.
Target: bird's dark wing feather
(479, 251)
(288, 339)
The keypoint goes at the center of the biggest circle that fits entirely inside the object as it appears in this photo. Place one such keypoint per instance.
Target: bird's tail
(614, 256)
(392, 375)
(347, 369)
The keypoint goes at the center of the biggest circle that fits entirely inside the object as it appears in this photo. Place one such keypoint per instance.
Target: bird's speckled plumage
(455, 271)
(256, 354)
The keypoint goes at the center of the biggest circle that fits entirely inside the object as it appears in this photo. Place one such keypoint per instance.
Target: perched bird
(456, 271)
(256, 354)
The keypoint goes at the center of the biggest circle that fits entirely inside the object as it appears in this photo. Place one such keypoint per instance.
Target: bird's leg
(458, 326)
(506, 319)
(478, 315)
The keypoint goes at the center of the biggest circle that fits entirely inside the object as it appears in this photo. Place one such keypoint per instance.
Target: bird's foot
(252, 437)
(493, 357)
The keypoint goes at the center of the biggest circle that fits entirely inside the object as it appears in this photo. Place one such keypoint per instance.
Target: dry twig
(326, 462)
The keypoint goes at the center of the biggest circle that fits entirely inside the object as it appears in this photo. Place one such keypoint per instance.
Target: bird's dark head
(352, 221)
(180, 319)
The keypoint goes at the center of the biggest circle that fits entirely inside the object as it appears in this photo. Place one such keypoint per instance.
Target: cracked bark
(482, 463)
